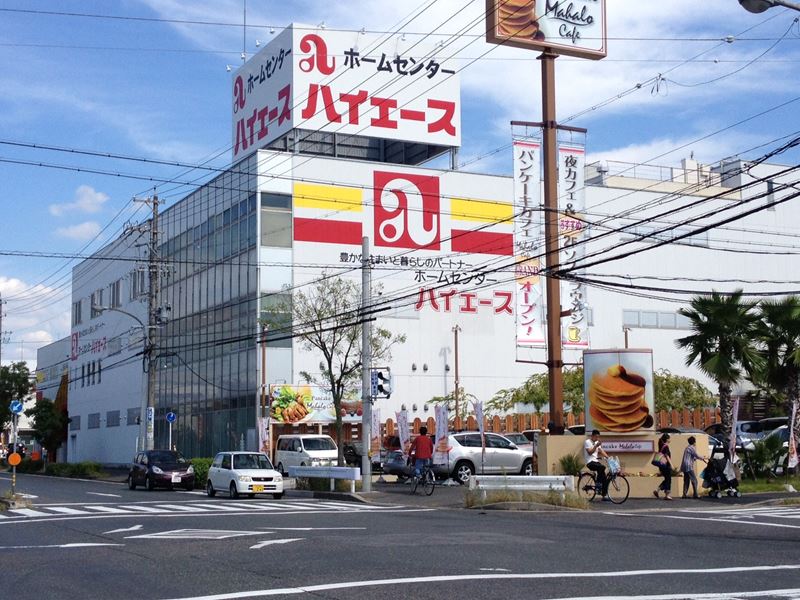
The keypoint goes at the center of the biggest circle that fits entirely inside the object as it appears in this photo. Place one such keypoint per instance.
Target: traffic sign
(15, 407)
(374, 382)
(14, 459)
(171, 416)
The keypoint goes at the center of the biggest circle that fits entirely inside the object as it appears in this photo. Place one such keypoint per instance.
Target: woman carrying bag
(663, 460)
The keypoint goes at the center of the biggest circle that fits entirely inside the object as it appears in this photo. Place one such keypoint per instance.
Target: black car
(397, 464)
(160, 468)
(353, 451)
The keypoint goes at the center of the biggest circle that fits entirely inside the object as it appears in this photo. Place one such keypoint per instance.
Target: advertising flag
(440, 451)
(402, 431)
(263, 435)
(375, 432)
(793, 458)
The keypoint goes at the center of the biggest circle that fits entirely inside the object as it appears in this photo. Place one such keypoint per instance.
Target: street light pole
(759, 6)
(457, 420)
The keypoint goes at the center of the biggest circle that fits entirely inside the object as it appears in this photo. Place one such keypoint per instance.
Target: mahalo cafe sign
(345, 82)
(574, 28)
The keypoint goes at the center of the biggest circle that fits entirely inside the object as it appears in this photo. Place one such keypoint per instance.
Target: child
(690, 456)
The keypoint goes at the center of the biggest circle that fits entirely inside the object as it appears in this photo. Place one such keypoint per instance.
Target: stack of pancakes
(617, 401)
(517, 18)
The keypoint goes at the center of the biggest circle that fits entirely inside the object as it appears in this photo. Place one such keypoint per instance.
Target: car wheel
(463, 472)
(210, 489)
(131, 482)
(148, 483)
(233, 490)
(280, 469)
(527, 467)
(277, 496)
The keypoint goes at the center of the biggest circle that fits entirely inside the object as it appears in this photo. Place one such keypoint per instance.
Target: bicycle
(618, 487)
(426, 479)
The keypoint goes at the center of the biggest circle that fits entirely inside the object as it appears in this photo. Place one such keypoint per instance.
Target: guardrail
(332, 473)
(522, 483)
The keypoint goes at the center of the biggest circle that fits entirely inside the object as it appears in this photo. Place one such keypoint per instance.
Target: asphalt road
(100, 540)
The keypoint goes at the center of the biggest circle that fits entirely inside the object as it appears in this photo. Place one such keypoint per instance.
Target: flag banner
(793, 458)
(528, 243)
(263, 435)
(573, 231)
(441, 448)
(403, 432)
(375, 432)
(732, 440)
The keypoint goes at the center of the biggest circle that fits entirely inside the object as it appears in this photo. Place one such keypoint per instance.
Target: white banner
(441, 449)
(263, 435)
(403, 432)
(732, 440)
(572, 229)
(793, 458)
(479, 414)
(375, 432)
(528, 244)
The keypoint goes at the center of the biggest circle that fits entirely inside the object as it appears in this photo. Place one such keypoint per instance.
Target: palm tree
(780, 339)
(723, 344)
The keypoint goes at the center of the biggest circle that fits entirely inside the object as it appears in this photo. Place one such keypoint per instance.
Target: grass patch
(476, 498)
(790, 501)
(80, 470)
(748, 486)
(318, 484)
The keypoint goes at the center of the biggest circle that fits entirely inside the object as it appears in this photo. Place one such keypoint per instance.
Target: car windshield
(516, 438)
(251, 461)
(319, 444)
(166, 458)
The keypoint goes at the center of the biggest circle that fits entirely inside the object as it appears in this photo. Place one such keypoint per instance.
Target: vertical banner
(375, 432)
(402, 431)
(793, 458)
(528, 244)
(441, 449)
(572, 229)
(479, 416)
(263, 435)
(732, 440)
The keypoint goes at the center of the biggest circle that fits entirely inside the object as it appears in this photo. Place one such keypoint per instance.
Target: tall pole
(366, 371)
(456, 391)
(262, 412)
(2, 333)
(552, 289)
(153, 301)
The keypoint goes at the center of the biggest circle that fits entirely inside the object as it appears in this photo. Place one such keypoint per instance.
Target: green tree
(723, 344)
(536, 391)
(780, 340)
(49, 425)
(676, 392)
(325, 319)
(15, 384)
(573, 390)
(465, 404)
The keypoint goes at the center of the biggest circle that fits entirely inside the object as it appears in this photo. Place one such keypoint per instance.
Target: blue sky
(159, 89)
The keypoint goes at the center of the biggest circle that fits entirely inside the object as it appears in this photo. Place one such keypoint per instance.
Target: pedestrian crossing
(772, 514)
(46, 511)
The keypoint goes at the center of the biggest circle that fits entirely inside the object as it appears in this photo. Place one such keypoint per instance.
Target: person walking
(690, 457)
(665, 468)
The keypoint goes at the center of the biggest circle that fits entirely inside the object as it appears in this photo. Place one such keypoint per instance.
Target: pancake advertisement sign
(618, 388)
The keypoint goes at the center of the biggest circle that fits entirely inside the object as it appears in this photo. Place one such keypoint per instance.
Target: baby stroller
(720, 478)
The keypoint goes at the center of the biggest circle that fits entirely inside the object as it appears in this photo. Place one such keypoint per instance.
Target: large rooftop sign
(573, 27)
(346, 82)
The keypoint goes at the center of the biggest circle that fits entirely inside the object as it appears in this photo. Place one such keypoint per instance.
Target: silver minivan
(304, 450)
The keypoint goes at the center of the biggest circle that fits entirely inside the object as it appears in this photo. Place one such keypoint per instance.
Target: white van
(304, 450)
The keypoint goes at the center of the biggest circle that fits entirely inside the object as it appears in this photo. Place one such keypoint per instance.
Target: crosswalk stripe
(27, 512)
(146, 509)
(107, 509)
(220, 507)
(259, 506)
(182, 507)
(67, 511)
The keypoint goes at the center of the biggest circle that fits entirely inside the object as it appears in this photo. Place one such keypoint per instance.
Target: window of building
(75, 423)
(93, 421)
(138, 283)
(96, 303)
(649, 319)
(76, 313)
(276, 220)
(133, 414)
(115, 294)
(630, 318)
(276, 314)
(112, 418)
(83, 375)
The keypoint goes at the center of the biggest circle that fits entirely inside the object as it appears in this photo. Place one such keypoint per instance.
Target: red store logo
(406, 210)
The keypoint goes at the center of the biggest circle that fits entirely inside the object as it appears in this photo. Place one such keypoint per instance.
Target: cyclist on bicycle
(421, 450)
(592, 453)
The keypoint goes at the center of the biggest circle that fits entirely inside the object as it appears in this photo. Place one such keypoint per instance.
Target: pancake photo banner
(618, 388)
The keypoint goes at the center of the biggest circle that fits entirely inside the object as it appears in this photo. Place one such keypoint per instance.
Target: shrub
(570, 464)
(201, 466)
(81, 470)
(30, 466)
(765, 455)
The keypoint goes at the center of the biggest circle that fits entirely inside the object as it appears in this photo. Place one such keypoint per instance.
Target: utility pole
(263, 413)
(3, 334)
(553, 284)
(366, 371)
(456, 422)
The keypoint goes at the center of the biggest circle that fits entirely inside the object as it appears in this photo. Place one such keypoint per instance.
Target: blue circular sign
(171, 416)
(15, 407)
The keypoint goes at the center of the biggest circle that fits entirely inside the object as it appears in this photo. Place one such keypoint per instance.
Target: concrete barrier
(332, 473)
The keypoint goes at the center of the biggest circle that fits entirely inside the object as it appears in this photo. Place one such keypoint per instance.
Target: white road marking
(259, 506)
(108, 509)
(134, 528)
(729, 521)
(101, 494)
(28, 496)
(145, 509)
(27, 512)
(196, 534)
(66, 510)
(77, 545)
(182, 507)
(313, 528)
(399, 582)
(499, 569)
(216, 506)
(787, 593)
(272, 542)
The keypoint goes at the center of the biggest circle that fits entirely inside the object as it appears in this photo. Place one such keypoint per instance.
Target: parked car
(353, 451)
(772, 423)
(520, 440)
(305, 450)
(248, 473)
(501, 456)
(750, 430)
(782, 463)
(717, 447)
(160, 468)
(396, 464)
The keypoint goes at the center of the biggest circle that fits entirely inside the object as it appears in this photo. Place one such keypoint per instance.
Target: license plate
(258, 488)
(176, 478)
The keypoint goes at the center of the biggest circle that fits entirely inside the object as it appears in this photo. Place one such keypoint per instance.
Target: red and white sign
(407, 211)
(349, 83)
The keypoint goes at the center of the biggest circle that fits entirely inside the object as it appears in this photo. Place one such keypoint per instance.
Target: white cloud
(81, 232)
(87, 200)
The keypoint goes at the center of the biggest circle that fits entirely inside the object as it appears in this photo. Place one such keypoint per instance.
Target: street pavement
(164, 544)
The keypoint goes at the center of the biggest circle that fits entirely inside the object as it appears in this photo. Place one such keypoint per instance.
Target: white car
(248, 473)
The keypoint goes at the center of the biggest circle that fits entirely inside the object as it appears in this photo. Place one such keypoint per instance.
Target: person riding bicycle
(421, 450)
(592, 453)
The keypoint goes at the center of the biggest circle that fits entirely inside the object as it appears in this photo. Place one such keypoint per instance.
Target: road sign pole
(14, 468)
(170, 435)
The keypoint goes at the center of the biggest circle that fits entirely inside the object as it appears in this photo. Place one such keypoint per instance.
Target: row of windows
(91, 373)
(650, 319)
(646, 233)
(113, 419)
(138, 288)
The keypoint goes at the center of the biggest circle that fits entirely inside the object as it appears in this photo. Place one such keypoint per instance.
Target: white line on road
(134, 528)
(312, 528)
(486, 577)
(27, 512)
(182, 507)
(101, 494)
(79, 545)
(66, 510)
(108, 509)
(195, 534)
(728, 521)
(790, 593)
(271, 542)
